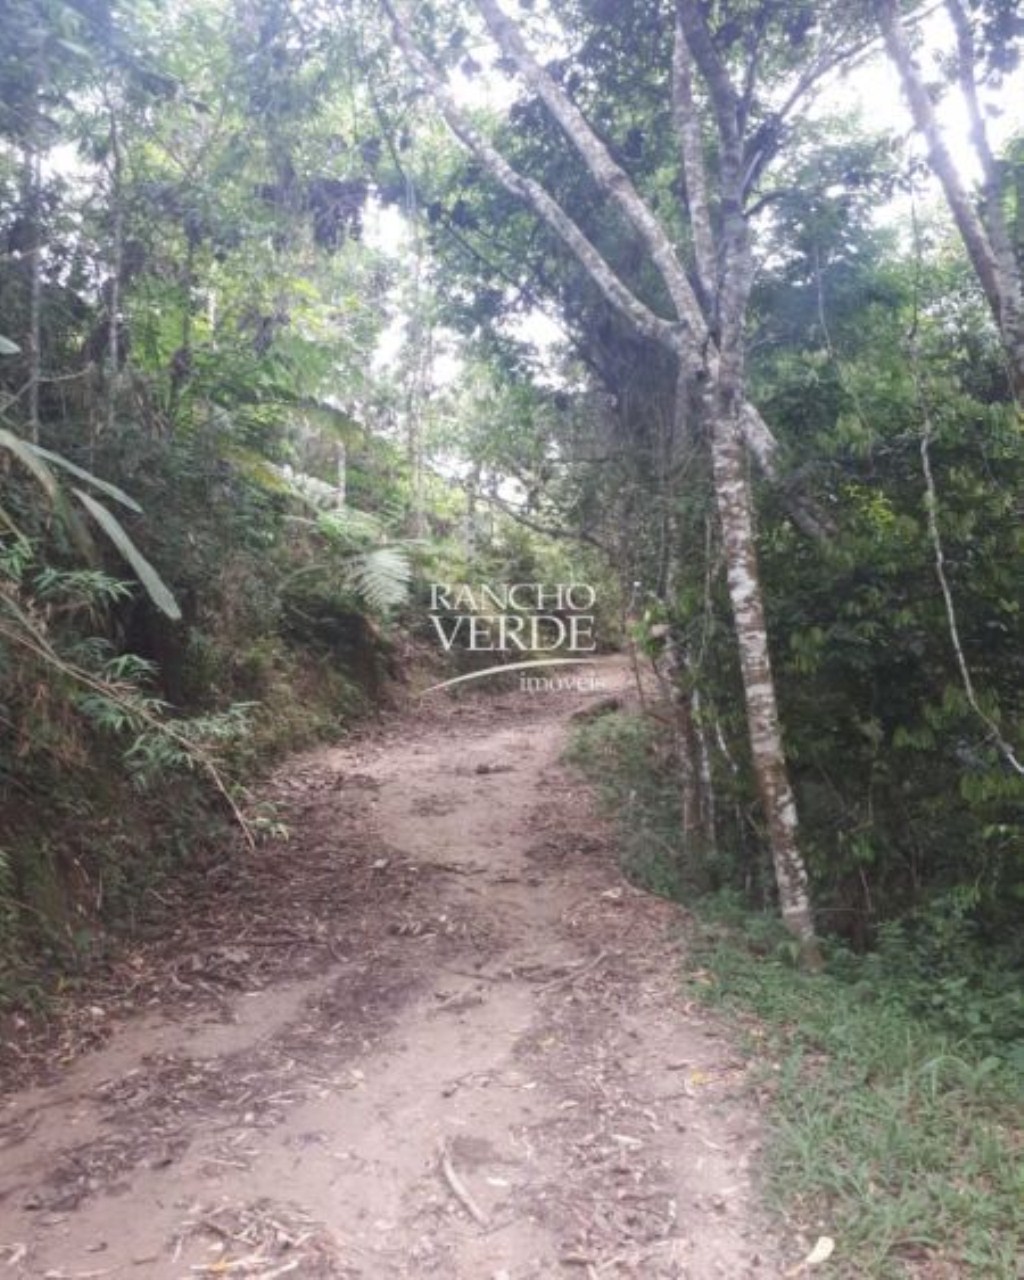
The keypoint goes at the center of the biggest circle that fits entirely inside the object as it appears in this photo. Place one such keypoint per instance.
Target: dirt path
(466, 1056)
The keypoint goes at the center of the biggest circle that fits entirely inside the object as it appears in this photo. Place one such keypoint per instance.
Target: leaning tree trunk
(735, 513)
(722, 400)
(676, 677)
(33, 332)
(114, 353)
(983, 228)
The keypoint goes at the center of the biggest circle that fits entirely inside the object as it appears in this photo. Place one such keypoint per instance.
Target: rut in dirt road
(483, 1070)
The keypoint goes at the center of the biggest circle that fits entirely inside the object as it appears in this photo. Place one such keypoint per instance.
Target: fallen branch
(469, 973)
(283, 1270)
(458, 1188)
(567, 979)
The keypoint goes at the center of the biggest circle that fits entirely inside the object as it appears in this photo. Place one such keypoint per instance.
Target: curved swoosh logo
(503, 667)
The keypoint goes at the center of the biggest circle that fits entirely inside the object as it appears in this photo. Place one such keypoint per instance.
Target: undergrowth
(893, 1080)
(99, 806)
(85, 853)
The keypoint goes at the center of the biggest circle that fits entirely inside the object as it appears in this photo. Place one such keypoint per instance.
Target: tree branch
(725, 101)
(992, 214)
(546, 530)
(612, 179)
(695, 355)
(999, 278)
(695, 178)
(532, 193)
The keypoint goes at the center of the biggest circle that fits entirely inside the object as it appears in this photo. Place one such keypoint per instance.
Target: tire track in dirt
(488, 1073)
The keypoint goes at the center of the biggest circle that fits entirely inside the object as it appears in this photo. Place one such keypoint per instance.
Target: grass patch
(883, 1131)
(892, 1082)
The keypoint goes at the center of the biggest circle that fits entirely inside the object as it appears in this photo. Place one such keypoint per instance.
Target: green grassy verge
(892, 1095)
(901, 1143)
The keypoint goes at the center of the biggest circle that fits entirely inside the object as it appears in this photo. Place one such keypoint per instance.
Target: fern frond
(380, 576)
(350, 528)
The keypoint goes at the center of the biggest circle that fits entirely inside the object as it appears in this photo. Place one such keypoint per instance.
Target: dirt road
(433, 1034)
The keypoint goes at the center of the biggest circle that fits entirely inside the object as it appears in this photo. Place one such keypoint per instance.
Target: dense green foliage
(189, 319)
(276, 353)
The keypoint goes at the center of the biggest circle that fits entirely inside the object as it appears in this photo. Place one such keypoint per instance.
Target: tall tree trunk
(705, 778)
(421, 341)
(181, 361)
(721, 394)
(695, 178)
(341, 471)
(32, 200)
(684, 733)
(116, 268)
(709, 350)
(469, 528)
(676, 671)
(735, 513)
(419, 362)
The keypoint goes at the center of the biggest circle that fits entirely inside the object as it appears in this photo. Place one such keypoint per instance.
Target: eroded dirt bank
(434, 1034)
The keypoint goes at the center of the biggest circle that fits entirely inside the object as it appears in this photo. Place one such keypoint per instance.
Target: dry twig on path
(458, 1188)
(567, 979)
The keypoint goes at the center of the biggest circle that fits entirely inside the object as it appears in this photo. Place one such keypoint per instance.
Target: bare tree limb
(646, 321)
(610, 176)
(546, 530)
(458, 1187)
(695, 178)
(996, 269)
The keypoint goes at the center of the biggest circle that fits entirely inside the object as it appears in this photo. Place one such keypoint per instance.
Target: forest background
(306, 306)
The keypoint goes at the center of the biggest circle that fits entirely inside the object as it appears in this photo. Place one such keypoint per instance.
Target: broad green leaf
(111, 490)
(26, 454)
(7, 347)
(349, 527)
(156, 589)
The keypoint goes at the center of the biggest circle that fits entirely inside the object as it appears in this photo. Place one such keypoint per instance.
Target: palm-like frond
(375, 567)
(380, 576)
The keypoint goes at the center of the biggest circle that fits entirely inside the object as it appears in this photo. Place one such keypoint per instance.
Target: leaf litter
(485, 1070)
